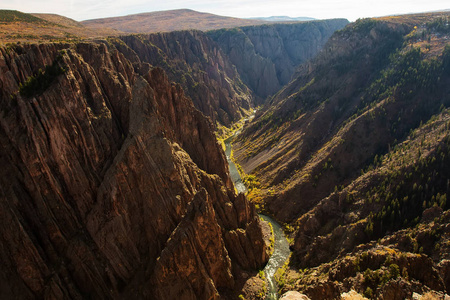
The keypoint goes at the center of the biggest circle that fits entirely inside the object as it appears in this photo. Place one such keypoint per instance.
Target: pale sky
(320, 9)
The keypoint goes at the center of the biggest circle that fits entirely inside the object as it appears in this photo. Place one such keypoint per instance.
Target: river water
(281, 247)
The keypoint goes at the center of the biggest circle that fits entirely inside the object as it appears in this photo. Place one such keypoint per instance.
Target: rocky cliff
(112, 183)
(192, 59)
(223, 78)
(351, 155)
(267, 56)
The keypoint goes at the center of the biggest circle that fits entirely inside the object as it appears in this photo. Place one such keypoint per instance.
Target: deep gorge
(114, 183)
(281, 249)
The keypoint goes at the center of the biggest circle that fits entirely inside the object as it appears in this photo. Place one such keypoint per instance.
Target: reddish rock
(110, 178)
(200, 66)
(444, 270)
(431, 213)
(396, 290)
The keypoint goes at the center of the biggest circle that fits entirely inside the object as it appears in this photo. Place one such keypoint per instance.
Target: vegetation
(37, 84)
(271, 239)
(405, 192)
(440, 25)
(8, 16)
(16, 26)
(358, 147)
(408, 74)
(262, 275)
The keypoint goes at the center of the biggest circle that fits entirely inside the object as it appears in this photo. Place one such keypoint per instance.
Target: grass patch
(9, 16)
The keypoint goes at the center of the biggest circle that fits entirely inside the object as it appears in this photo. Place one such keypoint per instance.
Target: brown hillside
(323, 116)
(58, 19)
(180, 19)
(16, 26)
(353, 156)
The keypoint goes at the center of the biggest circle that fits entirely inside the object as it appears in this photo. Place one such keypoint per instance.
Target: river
(281, 247)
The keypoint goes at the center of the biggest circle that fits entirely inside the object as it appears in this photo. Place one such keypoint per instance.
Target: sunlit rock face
(198, 64)
(112, 183)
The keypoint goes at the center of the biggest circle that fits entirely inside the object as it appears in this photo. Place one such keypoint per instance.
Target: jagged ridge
(101, 172)
(192, 59)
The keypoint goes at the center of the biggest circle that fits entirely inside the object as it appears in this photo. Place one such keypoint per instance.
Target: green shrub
(368, 293)
(38, 84)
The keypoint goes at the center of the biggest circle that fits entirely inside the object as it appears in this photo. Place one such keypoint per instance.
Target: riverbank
(281, 249)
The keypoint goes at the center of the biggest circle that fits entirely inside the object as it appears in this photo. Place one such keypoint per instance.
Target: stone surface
(113, 184)
(352, 295)
(267, 56)
(293, 295)
(192, 59)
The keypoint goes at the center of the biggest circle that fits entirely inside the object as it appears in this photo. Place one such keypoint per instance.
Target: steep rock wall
(267, 56)
(109, 177)
(192, 59)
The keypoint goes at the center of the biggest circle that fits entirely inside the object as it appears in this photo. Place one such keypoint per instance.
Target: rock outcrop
(267, 56)
(112, 183)
(192, 59)
(294, 295)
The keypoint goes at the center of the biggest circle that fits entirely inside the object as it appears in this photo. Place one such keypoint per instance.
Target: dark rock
(192, 59)
(267, 56)
(110, 180)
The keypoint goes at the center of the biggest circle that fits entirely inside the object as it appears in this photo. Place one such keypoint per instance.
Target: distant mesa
(16, 26)
(57, 19)
(283, 19)
(173, 20)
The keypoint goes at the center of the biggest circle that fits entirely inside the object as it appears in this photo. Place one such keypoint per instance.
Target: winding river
(281, 247)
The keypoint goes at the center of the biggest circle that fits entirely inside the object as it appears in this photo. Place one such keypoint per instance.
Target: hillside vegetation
(352, 156)
(170, 20)
(9, 16)
(16, 26)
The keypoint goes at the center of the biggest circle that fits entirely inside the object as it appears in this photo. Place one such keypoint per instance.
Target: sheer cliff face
(112, 184)
(267, 56)
(199, 65)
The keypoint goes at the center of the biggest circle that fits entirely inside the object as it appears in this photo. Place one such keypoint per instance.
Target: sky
(321, 9)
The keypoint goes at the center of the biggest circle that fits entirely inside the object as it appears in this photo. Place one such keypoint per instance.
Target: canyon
(111, 178)
(267, 56)
(351, 156)
(115, 183)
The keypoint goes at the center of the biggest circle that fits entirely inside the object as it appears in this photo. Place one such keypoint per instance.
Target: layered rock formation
(217, 76)
(112, 183)
(267, 56)
(192, 59)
